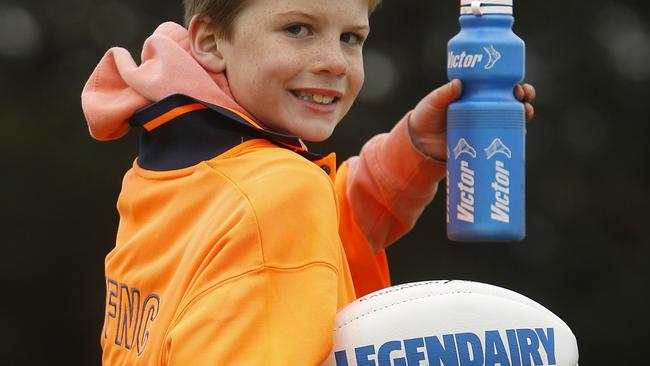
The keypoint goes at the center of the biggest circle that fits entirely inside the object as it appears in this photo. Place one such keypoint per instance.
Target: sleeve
(384, 191)
(281, 312)
(369, 269)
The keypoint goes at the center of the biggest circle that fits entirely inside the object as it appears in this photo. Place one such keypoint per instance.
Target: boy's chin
(312, 130)
(316, 135)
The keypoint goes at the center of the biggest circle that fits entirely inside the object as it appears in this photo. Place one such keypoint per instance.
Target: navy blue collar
(180, 131)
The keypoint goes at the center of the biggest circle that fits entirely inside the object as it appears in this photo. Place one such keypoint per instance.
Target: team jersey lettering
(128, 315)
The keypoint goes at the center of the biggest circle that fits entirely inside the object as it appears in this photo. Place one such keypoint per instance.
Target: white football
(450, 323)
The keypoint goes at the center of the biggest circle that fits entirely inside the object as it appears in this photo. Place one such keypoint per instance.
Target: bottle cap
(485, 7)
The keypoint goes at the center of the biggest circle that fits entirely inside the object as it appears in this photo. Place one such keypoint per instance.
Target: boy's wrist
(403, 166)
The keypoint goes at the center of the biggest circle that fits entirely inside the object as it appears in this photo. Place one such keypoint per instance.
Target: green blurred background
(587, 254)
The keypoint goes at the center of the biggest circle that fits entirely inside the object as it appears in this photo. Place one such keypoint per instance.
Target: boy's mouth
(315, 98)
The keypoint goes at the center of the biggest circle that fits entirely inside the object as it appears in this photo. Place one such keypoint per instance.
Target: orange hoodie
(236, 245)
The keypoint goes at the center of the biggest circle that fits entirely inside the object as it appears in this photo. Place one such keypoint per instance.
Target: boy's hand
(428, 121)
(526, 93)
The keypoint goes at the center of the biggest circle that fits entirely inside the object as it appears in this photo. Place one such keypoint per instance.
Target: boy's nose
(330, 58)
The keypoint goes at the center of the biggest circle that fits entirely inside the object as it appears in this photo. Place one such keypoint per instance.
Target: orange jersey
(236, 246)
(231, 260)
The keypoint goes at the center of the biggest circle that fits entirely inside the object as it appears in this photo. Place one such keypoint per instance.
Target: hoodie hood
(118, 87)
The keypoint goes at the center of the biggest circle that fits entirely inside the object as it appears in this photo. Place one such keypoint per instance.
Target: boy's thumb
(433, 107)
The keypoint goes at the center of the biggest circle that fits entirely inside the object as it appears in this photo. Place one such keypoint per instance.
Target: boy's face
(296, 65)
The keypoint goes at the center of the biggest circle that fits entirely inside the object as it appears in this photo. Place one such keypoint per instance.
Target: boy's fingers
(430, 114)
(431, 111)
(525, 92)
(530, 92)
(530, 111)
(441, 97)
(456, 89)
(519, 92)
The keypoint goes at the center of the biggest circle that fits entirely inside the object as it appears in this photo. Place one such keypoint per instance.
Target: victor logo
(498, 147)
(463, 147)
(500, 209)
(463, 61)
(466, 185)
(469, 61)
(494, 56)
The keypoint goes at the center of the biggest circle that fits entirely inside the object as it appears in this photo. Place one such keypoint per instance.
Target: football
(450, 323)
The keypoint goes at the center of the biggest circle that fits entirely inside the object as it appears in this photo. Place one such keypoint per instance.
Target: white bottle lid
(485, 7)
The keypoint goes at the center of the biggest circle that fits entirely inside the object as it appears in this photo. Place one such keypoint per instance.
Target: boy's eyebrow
(356, 27)
(360, 28)
(298, 13)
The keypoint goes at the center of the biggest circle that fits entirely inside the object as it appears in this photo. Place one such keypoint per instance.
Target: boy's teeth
(316, 98)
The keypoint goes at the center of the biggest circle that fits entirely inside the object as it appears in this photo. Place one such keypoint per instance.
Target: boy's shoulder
(291, 198)
(261, 166)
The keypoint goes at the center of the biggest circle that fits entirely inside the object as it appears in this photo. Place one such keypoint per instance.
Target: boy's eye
(351, 38)
(297, 30)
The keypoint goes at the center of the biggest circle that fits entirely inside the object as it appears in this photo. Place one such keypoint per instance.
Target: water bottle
(486, 127)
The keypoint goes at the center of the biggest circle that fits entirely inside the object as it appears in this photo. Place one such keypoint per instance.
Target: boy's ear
(204, 44)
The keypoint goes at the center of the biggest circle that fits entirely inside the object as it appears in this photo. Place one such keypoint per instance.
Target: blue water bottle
(486, 127)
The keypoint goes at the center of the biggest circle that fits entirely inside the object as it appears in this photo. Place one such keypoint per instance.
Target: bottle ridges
(485, 118)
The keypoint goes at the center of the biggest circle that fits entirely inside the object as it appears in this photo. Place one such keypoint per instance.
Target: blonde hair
(225, 12)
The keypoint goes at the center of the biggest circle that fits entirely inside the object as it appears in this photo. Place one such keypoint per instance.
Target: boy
(236, 245)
